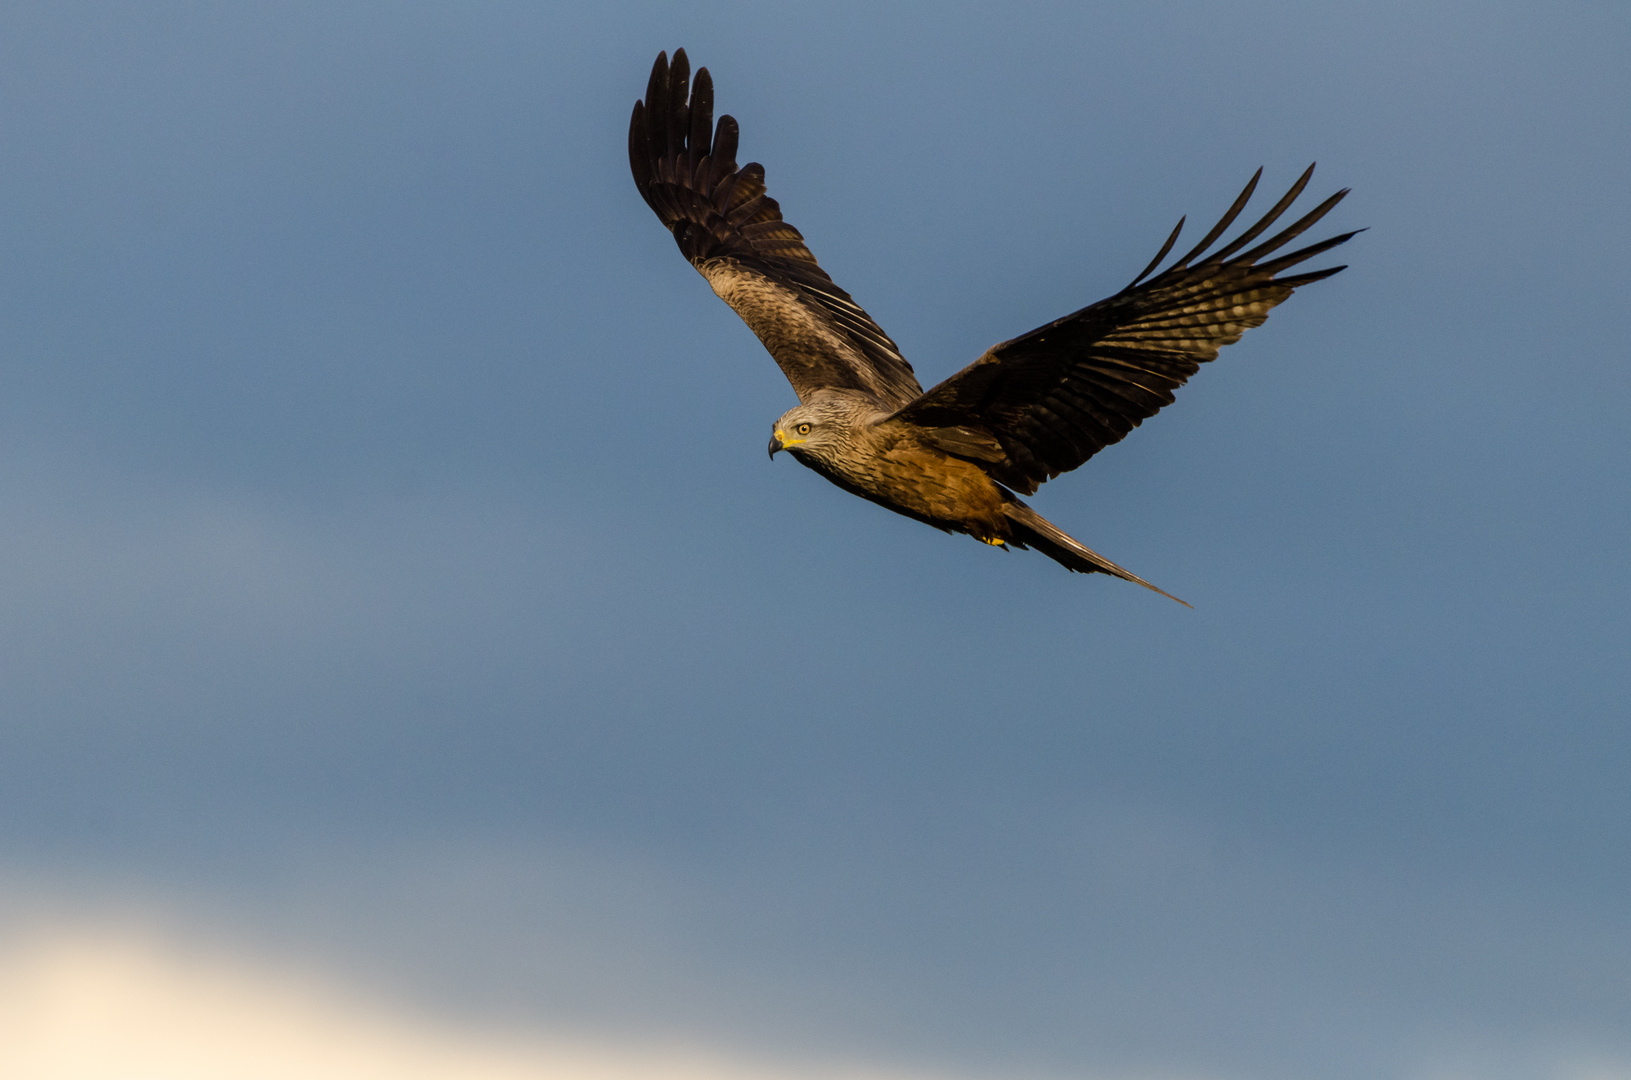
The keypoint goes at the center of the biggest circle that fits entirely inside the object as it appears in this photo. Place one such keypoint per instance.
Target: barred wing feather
(1042, 404)
(733, 233)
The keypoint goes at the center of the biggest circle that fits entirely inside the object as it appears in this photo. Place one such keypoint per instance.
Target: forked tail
(1033, 530)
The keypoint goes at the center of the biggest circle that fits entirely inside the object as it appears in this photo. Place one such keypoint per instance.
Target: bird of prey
(1027, 410)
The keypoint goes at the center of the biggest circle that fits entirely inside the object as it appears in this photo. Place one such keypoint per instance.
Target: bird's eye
(804, 429)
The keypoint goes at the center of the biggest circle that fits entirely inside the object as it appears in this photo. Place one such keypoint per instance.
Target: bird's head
(811, 430)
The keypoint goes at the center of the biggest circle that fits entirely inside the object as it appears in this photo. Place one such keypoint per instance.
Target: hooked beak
(775, 444)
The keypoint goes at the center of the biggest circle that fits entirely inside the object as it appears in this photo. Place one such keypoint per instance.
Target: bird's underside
(1024, 412)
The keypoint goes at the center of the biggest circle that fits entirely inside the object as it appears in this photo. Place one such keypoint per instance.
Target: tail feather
(1033, 530)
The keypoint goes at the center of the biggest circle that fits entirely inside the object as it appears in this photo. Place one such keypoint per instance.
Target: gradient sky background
(394, 585)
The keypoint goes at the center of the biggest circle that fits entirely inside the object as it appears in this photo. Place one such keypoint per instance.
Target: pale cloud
(97, 1002)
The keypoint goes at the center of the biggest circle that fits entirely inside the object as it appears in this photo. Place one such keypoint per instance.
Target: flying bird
(1027, 410)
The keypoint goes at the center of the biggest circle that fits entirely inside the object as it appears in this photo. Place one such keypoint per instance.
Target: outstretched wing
(734, 234)
(1042, 404)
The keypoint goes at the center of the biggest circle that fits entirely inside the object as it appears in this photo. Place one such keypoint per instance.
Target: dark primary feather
(733, 232)
(1053, 398)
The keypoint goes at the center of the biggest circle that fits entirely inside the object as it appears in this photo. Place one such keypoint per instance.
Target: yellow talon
(993, 541)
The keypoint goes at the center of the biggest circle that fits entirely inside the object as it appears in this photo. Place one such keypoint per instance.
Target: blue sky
(394, 578)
